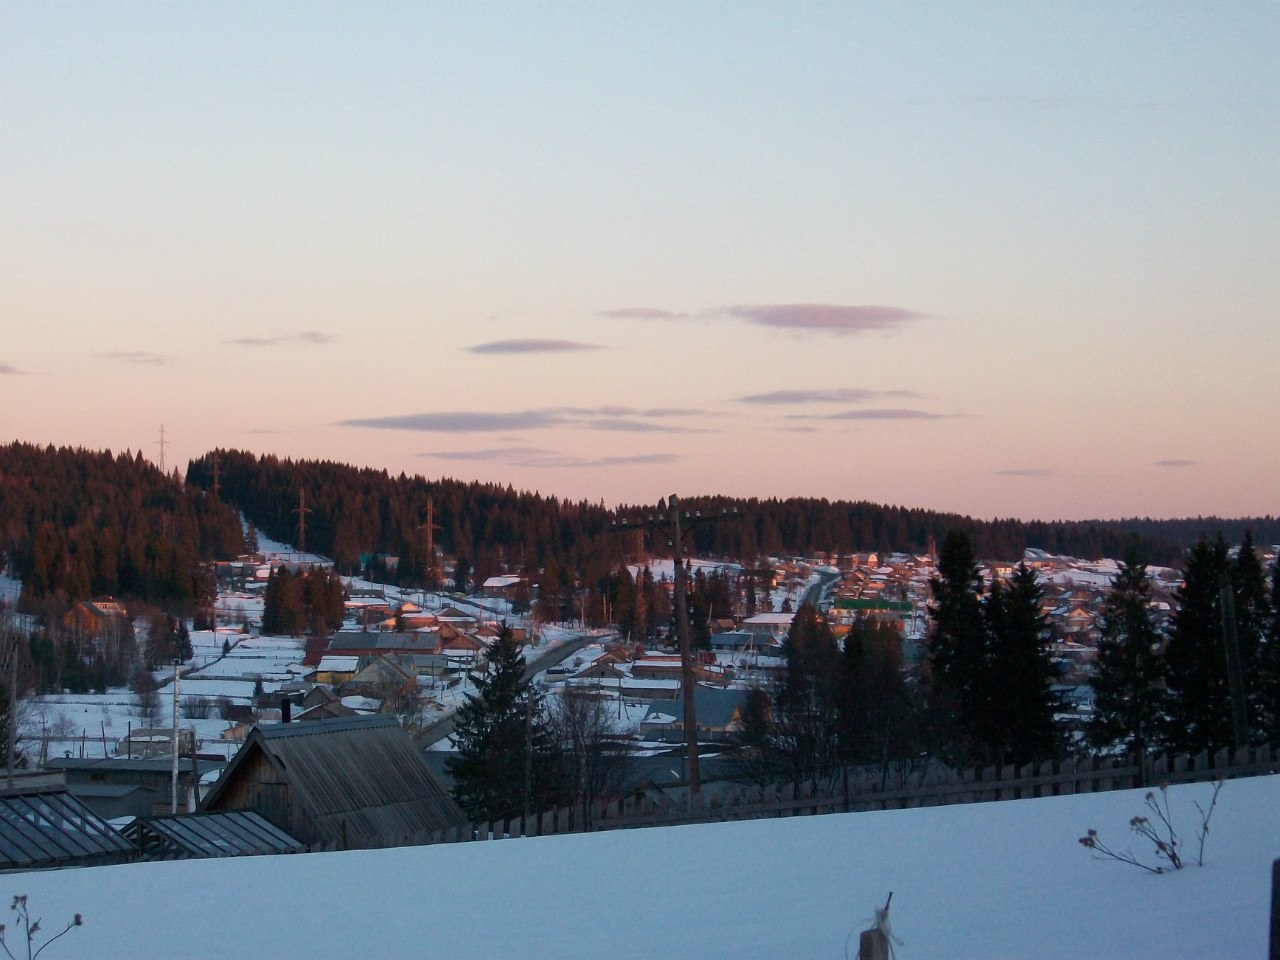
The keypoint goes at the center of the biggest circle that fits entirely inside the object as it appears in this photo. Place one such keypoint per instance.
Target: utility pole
(1235, 673)
(173, 769)
(12, 719)
(688, 679)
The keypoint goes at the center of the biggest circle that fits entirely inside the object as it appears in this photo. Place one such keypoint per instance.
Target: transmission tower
(429, 528)
(302, 512)
(162, 443)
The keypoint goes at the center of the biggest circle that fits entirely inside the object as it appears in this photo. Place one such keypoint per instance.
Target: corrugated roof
(54, 829)
(360, 780)
(229, 833)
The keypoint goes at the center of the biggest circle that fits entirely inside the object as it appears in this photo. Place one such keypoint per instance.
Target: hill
(978, 881)
(353, 511)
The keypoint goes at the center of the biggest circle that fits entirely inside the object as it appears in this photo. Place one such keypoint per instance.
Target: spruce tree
(1198, 707)
(1268, 670)
(1253, 622)
(1021, 704)
(508, 764)
(1129, 679)
(805, 706)
(959, 655)
(878, 716)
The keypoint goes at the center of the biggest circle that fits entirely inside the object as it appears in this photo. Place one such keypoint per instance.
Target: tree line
(1211, 678)
(77, 523)
(984, 692)
(353, 513)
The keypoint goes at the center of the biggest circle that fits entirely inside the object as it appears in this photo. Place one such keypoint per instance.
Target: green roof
(872, 604)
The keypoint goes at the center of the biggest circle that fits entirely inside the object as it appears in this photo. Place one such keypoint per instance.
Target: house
(99, 618)
(118, 786)
(335, 669)
(719, 715)
(767, 626)
(353, 783)
(505, 588)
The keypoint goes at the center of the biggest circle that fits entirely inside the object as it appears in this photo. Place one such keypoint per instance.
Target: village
(404, 661)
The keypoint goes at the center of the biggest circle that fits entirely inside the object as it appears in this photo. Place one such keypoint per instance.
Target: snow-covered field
(997, 880)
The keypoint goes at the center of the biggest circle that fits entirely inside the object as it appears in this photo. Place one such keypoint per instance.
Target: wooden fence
(860, 789)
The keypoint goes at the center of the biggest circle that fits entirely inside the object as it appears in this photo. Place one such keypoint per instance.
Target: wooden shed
(349, 783)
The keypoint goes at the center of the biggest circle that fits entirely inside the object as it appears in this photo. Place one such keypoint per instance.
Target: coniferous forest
(78, 523)
(352, 511)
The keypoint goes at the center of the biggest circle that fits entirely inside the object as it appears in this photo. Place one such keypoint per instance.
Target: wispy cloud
(839, 395)
(889, 413)
(541, 457)
(1176, 463)
(641, 313)
(825, 317)
(304, 337)
(532, 345)
(137, 357)
(1033, 472)
(7, 370)
(607, 418)
(822, 317)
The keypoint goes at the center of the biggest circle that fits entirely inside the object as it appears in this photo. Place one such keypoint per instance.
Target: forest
(78, 523)
(352, 512)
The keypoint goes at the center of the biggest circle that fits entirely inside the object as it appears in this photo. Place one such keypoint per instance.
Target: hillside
(978, 881)
(353, 511)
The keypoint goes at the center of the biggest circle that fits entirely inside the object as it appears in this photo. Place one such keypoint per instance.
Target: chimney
(286, 710)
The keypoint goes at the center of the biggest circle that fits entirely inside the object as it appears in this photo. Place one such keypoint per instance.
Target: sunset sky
(1008, 259)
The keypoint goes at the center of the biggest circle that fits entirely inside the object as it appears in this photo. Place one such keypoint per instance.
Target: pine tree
(507, 763)
(1129, 680)
(959, 655)
(1198, 707)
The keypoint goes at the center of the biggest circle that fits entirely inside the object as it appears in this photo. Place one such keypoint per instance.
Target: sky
(986, 880)
(1004, 259)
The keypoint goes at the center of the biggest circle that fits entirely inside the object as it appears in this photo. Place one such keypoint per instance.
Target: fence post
(1067, 777)
(1275, 910)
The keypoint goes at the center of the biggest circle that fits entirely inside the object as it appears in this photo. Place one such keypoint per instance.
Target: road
(443, 727)
(817, 592)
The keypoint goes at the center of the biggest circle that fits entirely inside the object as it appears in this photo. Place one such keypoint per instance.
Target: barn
(345, 783)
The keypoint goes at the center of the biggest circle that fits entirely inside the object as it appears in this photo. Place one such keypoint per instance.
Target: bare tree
(596, 752)
(15, 683)
(146, 696)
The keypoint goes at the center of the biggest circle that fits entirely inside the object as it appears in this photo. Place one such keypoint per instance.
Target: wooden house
(353, 783)
(102, 617)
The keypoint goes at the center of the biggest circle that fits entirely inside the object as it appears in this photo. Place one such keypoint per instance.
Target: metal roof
(359, 780)
(231, 833)
(55, 830)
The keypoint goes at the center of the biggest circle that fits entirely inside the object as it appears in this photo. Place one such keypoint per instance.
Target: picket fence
(860, 789)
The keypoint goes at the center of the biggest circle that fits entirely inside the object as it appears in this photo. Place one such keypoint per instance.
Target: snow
(976, 881)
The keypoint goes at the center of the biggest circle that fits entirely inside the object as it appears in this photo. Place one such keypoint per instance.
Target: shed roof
(230, 833)
(54, 829)
(359, 779)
